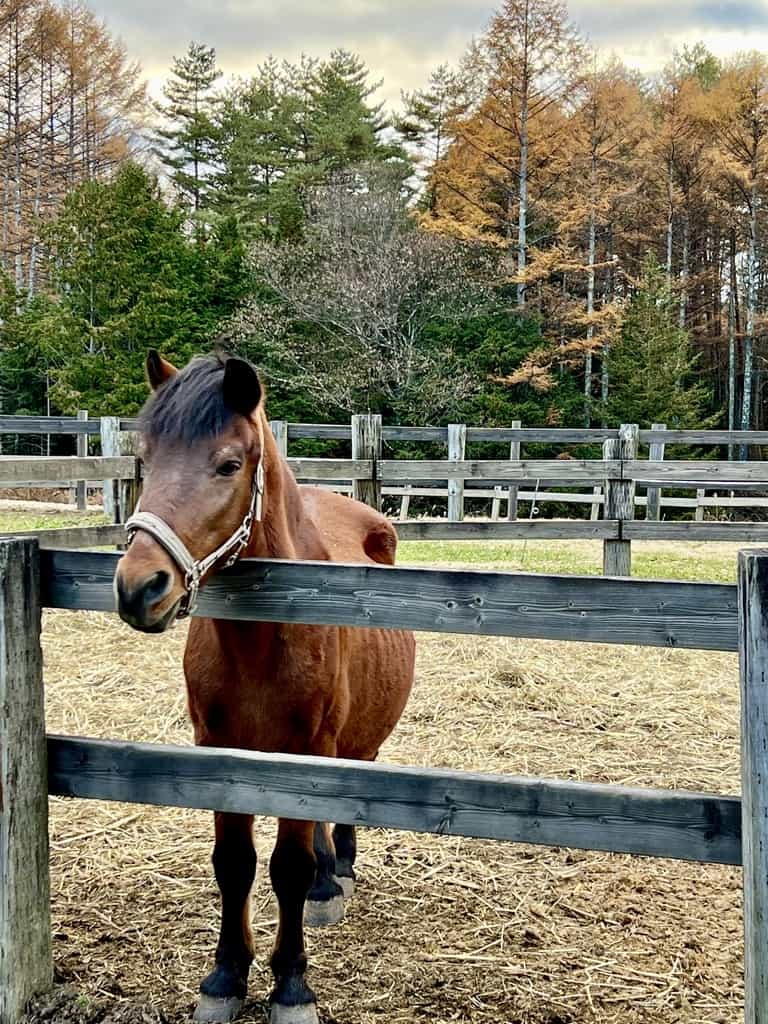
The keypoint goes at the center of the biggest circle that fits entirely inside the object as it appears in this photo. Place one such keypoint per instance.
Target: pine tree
(426, 125)
(654, 372)
(187, 144)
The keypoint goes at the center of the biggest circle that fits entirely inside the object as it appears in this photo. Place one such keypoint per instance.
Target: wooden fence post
(26, 966)
(620, 502)
(405, 503)
(81, 450)
(120, 496)
(655, 454)
(753, 657)
(367, 444)
(280, 433)
(457, 447)
(110, 445)
(515, 454)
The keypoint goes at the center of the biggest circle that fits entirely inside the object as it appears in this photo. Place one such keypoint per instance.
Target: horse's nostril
(136, 601)
(157, 586)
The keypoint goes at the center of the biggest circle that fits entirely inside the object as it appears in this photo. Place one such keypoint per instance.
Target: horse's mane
(190, 405)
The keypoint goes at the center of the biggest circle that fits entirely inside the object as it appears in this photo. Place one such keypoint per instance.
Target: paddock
(442, 929)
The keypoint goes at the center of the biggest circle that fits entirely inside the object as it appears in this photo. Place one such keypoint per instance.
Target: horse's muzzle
(137, 603)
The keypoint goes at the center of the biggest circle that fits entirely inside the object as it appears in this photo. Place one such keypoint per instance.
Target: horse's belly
(380, 678)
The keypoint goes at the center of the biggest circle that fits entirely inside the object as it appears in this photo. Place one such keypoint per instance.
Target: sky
(403, 40)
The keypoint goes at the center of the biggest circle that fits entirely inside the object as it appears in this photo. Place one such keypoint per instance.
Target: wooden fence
(683, 825)
(615, 480)
(115, 435)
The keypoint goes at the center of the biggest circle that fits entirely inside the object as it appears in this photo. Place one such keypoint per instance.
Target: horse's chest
(267, 689)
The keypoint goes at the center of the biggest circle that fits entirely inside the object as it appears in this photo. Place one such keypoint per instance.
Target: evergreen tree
(186, 143)
(130, 278)
(654, 374)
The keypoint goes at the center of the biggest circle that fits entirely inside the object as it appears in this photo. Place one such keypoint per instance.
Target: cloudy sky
(402, 40)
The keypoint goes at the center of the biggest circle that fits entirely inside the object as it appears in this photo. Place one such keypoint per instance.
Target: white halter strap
(194, 570)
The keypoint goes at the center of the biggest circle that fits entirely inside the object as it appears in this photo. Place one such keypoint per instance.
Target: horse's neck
(285, 531)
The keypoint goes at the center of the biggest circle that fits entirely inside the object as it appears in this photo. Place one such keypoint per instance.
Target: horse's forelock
(190, 406)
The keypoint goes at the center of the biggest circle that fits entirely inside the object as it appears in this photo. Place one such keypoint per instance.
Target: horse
(216, 489)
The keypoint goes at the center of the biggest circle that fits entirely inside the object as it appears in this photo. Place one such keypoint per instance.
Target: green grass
(713, 563)
(16, 522)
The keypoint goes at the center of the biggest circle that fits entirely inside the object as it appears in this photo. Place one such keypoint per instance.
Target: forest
(539, 233)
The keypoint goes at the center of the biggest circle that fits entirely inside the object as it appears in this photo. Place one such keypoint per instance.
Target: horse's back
(352, 531)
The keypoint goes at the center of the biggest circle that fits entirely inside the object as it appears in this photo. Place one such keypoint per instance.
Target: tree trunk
(522, 217)
(670, 221)
(746, 405)
(590, 303)
(684, 271)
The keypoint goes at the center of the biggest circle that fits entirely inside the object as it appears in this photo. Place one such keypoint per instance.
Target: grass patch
(18, 522)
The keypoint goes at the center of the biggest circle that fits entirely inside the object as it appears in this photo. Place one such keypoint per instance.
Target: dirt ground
(440, 929)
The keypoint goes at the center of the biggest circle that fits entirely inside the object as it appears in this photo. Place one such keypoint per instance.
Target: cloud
(403, 40)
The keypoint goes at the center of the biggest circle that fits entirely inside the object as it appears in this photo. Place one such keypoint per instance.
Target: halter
(194, 570)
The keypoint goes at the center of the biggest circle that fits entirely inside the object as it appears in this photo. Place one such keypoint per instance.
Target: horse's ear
(159, 370)
(242, 387)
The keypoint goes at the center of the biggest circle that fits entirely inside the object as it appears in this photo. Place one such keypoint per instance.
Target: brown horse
(215, 489)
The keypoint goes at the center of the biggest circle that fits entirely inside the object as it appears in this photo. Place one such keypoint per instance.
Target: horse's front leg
(223, 992)
(292, 870)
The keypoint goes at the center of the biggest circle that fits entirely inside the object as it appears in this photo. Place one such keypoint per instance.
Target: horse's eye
(228, 468)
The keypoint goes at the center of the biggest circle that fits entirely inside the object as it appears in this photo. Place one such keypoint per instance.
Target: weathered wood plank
(656, 454)
(69, 537)
(753, 658)
(47, 425)
(81, 487)
(537, 529)
(583, 608)
(26, 967)
(687, 826)
(457, 447)
(701, 474)
(367, 445)
(567, 471)
(746, 533)
(279, 430)
(320, 431)
(64, 468)
(704, 437)
(331, 469)
(515, 455)
(620, 502)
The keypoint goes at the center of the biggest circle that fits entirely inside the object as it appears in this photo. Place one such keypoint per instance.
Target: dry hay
(441, 929)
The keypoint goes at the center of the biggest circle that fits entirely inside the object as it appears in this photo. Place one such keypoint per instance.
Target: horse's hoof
(213, 1010)
(304, 1014)
(346, 884)
(323, 913)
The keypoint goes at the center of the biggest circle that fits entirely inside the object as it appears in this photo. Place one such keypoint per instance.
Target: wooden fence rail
(694, 826)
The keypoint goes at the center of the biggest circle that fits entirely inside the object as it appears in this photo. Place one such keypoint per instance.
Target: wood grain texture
(64, 468)
(26, 967)
(74, 537)
(703, 437)
(620, 501)
(701, 474)
(457, 449)
(536, 529)
(656, 454)
(753, 658)
(47, 425)
(81, 487)
(515, 455)
(544, 470)
(687, 826)
(581, 608)
(343, 470)
(109, 430)
(745, 533)
(279, 430)
(367, 445)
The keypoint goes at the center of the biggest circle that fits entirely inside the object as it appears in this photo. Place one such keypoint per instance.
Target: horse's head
(203, 440)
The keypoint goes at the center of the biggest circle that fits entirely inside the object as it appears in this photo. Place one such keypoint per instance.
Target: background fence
(684, 825)
(616, 480)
